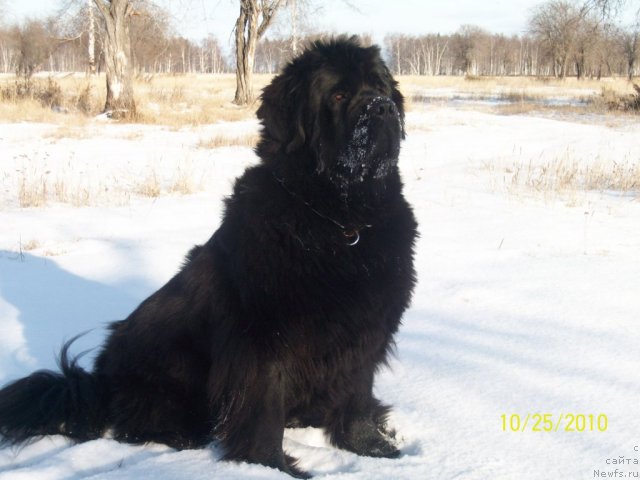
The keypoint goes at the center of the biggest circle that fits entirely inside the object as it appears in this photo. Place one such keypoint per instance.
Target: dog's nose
(383, 108)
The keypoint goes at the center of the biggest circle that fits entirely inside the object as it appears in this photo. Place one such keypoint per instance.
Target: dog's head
(338, 107)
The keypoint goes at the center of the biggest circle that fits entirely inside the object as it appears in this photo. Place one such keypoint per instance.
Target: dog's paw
(293, 469)
(368, 440)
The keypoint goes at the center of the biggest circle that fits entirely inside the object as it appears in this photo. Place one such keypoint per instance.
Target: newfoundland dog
(282, 318)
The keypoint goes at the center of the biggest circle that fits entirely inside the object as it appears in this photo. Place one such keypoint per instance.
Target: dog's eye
(340, 97)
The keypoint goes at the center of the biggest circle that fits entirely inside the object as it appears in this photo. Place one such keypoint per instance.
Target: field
(528, 199)
(182, 100)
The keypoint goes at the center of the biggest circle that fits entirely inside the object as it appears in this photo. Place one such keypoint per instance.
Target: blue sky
(196, 18)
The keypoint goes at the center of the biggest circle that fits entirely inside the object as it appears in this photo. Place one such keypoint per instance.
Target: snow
(546, 95)
(527, 302)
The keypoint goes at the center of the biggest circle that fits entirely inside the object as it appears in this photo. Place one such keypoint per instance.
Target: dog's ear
(282, 111)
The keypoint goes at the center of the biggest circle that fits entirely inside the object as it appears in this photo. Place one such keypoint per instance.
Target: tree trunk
(118, 65)
(579, 71)
(92, 39)
(632, 53)
(248, 32)
(246, 29)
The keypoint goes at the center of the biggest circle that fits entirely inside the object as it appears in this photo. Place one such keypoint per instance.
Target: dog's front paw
(292, 469)
(367, 439)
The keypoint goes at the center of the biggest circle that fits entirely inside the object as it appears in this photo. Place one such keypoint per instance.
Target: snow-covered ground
(527, 303)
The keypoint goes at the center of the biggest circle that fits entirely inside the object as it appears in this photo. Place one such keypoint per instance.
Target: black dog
(283, 317)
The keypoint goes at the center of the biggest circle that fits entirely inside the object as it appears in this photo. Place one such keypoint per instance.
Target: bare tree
(81, 36)
(6, 50)
(630, 42)
(464, 46)
(7, 54)
(436, 48)
(568, 28)
(595, 32)
(587, 38)
(118, 59)
(253, 21)
(297, 23)
(603, 9)
(555, 23)
(34, 42)
(631, 46)
(151, 35)
(213, 58)
(271, 54)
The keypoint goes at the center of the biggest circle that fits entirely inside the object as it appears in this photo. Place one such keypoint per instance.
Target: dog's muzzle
(374, 145)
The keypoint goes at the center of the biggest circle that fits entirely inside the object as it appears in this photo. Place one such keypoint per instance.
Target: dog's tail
(70, 402)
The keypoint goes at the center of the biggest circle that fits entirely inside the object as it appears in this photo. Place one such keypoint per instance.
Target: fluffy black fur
(283, 317)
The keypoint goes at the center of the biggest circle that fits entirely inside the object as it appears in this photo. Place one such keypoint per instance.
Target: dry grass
(190, 99)
(521, 95)
(75, 132)
(519, 108)
(150, 186)
(621, 102)
(245, 140)
(566, 174)
(37, 190)
(49, 98)
(173, 100)
(30, 245)
(32, 192)
(182, 185)
(410, 84)
(181, 182)
(30, 110)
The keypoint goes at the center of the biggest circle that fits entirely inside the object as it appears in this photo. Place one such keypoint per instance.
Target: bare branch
(268, 9)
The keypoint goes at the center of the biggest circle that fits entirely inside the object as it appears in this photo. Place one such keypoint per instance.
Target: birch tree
(91, 40)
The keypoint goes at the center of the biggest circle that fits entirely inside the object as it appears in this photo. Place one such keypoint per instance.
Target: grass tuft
(223, 140)
(564, 174)
(150, 186)
(622, 102)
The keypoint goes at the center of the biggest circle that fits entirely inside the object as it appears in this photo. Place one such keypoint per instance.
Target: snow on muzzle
(374, 145)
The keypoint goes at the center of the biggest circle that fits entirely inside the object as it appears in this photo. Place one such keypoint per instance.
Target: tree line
(135, 37)
(65, 45)
(563, 39)
(472, 51)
